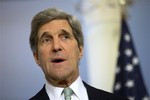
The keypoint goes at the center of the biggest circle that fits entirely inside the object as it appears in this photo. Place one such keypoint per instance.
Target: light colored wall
(20, 77)
(0, 52)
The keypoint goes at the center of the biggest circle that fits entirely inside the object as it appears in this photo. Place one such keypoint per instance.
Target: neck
(66, 82)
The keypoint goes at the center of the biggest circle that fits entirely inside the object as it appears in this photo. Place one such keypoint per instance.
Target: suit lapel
(93, 93)
(90, 96)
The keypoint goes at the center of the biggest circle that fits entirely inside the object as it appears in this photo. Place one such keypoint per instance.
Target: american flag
(129, 82)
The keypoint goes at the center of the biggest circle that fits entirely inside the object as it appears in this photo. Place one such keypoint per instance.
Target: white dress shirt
(80, 92)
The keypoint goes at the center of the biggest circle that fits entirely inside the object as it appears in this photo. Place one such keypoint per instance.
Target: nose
(56, 45)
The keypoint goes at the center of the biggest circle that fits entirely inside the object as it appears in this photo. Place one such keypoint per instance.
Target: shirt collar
(79, 88)
(53, 92)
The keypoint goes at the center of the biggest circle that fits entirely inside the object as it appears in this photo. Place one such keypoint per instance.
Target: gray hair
(48, 15)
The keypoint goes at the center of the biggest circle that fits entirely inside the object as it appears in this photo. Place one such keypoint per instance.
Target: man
(56, 41)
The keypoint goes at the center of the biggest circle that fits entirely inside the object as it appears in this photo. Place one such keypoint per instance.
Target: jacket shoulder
(98, 94)
(41, 95)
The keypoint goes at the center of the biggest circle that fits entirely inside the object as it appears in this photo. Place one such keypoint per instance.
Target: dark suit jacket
(93, 94)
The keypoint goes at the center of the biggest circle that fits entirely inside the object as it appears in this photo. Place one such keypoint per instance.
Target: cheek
(44, 62)
(76, 54)
(42, 56)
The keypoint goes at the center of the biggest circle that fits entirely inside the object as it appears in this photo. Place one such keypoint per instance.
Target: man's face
(58, 53)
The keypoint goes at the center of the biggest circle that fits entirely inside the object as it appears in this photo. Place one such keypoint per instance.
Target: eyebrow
(46, 33)
(66, 32)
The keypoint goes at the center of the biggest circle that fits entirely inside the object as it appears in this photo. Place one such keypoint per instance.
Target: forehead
(55, 26)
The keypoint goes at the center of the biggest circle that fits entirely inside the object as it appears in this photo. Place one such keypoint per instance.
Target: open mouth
(58, 60)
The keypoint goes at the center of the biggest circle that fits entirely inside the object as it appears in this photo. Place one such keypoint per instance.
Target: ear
(35, 54)
(80, 51)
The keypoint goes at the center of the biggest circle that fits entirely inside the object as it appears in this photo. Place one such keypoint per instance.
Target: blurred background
(21, 78)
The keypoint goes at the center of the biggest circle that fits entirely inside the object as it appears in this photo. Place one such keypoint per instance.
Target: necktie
(67, 93)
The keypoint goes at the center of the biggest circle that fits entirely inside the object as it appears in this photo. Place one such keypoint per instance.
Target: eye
(65, 37)
(46, 40)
